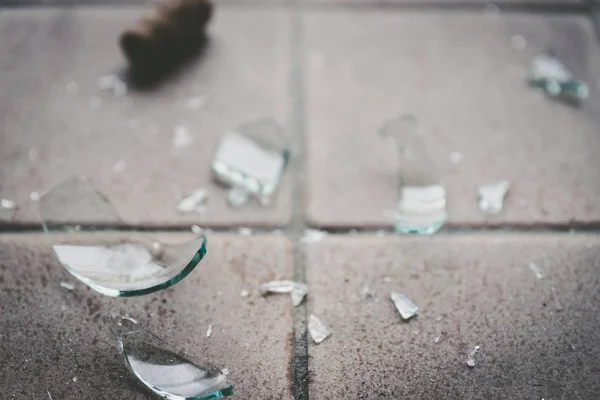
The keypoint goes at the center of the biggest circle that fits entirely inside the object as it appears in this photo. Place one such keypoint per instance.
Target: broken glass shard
(252, 157)
(163, 370)
(536, 270)
(297, 290)
(471, 357)
(194, 202)
(490, 196)
(421, 206)
(237, 197)
(318, 330)
(551, 75)
(7, 204)
(116, 264)
(404, 305)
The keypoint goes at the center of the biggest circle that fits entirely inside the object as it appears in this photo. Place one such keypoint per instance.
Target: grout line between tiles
(299, 360)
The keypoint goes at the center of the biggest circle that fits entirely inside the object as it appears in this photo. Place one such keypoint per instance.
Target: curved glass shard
(253, 158)
(551, 75)
(421, 207)
(116, 264)
(162, 369)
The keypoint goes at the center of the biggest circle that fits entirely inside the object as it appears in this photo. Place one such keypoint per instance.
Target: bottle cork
(164, 32)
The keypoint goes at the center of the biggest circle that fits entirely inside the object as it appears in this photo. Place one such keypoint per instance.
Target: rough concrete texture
(538, 337)
(50, 335)
(465, 83)
(45, 49)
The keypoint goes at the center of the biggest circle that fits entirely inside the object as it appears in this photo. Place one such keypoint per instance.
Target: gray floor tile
(50, 335)
(243, 74)
(537, 336)
(458, 73)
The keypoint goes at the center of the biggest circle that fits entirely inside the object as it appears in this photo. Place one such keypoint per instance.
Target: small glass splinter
(471, 357)
(114, 265)
(297, 290)
(404, 305)
(252, 158)
(163, 370)
(421, 207)
(490, 196)
(318, 330)
(550, 74)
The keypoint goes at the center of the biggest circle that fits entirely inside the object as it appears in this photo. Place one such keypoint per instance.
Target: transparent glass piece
(490, 196)
(118, 265)
(317, 329)
(297, 290)
(194, 202)
(404, 305)
(162, 369)
(550, 74)
(536, 270)
(471, 357)
(237, 197)
(252, 157)
(421, 207)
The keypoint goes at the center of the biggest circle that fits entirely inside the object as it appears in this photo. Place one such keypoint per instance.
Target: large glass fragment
(162, 369)
(117, 264)
(297, 290)
(252, 158)
(421, 207)
(550, 74)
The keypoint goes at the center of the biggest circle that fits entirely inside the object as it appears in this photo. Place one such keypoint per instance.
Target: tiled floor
(331, 72)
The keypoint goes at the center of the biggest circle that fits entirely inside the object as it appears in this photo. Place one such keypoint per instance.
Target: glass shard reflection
(490, 196)
(162, 369)
(318, 330)
(404, 305)
(253, 158)
(421, 207)
(550, 74)
(116, 264)
(297, 290)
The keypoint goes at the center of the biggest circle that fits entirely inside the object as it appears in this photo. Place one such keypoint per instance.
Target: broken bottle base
(163, 370)
(421, 209)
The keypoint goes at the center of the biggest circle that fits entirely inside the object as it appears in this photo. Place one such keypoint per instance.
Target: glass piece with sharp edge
(471, 357)
(253, 158)
(404, 305)
(421, 207)
(162, 369)
(490, 196)
(297, 290)
(318, 330)
(116, 264)
(550, 74)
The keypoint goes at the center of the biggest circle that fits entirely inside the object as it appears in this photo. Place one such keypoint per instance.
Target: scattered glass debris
(313, 236)
(95, 103)
(536, 270)
(252, 157)
(550, 74)
(119, 167)
(237, 197)
(490, 196)
(196, 229)
(471, 357)
(318, 330)
(161, 369)
(7, 204)
(112, 83)
(34, 196)
(245, 231)
(195, 202)
(209, 331)
(456, 157)
(404, 305)
(244, 293)
(436, 339)
(297, 290)
(72, 87)
(518, 42)
(421, 207)
(195, 103)
(67, 285)
(74, 379)
(122, 265)
(182, 137)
